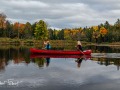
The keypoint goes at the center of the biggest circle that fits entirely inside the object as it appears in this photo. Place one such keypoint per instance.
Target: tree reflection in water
(19, 55)
(108, 61)
(41, 62)
(22, 55)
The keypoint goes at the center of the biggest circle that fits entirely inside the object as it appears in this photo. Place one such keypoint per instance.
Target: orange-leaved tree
(103, 32)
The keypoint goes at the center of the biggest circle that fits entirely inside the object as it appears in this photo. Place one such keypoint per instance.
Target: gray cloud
(62, 13)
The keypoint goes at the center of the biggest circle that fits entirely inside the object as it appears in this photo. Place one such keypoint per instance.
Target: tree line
(101, 33)
(39, 30)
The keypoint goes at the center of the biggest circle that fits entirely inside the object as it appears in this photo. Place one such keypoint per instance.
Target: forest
(104, 32)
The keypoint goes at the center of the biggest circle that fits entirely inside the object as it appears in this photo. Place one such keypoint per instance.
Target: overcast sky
(62, 13)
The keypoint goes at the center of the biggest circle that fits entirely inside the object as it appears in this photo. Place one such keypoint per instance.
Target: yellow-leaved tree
(96, 33)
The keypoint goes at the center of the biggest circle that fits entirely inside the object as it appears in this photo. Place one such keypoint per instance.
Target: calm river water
(20, 71)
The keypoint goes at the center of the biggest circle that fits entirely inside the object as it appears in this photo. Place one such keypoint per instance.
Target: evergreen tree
(61, 35)
(8, 29)
(117, 24)
(50, 34)
(107, 25)
(28, 30)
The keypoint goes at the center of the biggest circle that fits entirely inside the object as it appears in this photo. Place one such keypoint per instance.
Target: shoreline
(33, 42)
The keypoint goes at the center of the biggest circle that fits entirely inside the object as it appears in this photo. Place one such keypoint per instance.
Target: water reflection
(53, 72)
(79, 61)
(41, 62)
(22, 55)
(17, 55)
(103, 49)
(47, 61)
(107, 61)
(46, 58)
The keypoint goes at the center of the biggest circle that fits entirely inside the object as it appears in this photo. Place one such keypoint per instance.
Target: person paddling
(79, 46)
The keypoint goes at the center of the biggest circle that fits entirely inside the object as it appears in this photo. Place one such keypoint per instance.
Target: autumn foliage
(39, 30)
(103, 31)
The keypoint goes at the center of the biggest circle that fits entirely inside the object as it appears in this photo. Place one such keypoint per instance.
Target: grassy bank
(33, 42)
(54, 43)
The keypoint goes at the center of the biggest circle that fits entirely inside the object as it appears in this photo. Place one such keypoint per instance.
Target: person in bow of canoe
(47, 45)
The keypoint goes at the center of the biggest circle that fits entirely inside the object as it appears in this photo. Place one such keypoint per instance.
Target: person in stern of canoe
(47, 45)
(79, 46)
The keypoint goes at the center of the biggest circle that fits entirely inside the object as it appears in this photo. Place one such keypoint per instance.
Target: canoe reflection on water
(58, 56)
(41, 58)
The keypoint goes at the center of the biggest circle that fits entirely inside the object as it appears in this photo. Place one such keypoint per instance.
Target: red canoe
(59, 52)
